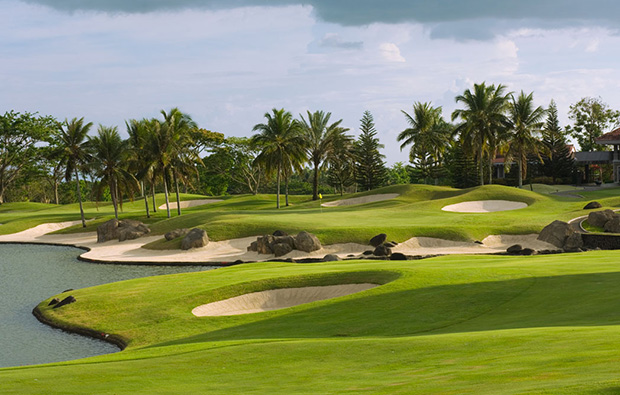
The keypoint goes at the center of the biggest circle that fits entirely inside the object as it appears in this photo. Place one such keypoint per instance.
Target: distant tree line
(43, 159)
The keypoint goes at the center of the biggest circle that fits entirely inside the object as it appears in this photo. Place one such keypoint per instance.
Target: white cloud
(391, 52)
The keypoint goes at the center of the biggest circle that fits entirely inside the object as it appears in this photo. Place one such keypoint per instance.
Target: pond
(32, 273)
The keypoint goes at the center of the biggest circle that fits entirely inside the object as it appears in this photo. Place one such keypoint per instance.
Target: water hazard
(32, 273)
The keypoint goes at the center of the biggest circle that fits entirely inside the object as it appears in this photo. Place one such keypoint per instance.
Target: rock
(331, 258)
(613, 225)
(195, 238)
(592, 205)
(253, 246)
(264, 243)
(54, 301)
(514, 249)
(478, 242)
(351, 256)
(398, 256)
(176, 233)
(556, 233)
(389, 244)
(574, 242)
(367, 252)
(69, 299)
(382, 250)
(132, 233)
(600, 218)
(290, 240)
(107, 231)
(280, 249)
(280, 233)
(393, 242)
(307, 242)
(529, 251)
(378, 240)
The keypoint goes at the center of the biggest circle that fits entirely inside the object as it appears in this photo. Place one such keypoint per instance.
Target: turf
(469, 324)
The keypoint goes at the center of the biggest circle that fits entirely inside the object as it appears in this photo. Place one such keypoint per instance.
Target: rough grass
(459, 324)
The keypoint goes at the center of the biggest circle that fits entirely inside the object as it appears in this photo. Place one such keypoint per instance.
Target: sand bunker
(484, 206)
(361, 200)
(190, 203)
(276, 299)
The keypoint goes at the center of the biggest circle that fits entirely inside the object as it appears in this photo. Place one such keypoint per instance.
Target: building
(612, 138)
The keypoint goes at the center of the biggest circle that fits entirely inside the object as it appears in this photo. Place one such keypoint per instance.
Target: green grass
(459, 324)
(544, 188)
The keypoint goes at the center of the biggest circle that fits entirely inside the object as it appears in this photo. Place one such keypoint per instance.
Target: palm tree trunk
(56, 191)
(114, 200)
(79, 196)
(146, 200)
(153, 193)
(166, 195)
(278, 188)
(481, 161)
(520, 173)
(315, 182)
(286, 188)
(176, 182)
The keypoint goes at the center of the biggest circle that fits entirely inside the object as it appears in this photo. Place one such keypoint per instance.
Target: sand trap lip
(190, 203)
(484, 206)
(276, 299)
(361, 200)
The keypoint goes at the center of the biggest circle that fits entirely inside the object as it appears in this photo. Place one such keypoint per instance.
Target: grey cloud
(335, 41)
(439, 14)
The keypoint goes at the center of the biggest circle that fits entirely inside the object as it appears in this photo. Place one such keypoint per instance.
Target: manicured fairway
(485, 324)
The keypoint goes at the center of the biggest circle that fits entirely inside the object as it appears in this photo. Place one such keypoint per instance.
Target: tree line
(308, 154)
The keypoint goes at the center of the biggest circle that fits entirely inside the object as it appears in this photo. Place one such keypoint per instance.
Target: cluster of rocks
(606, 219)
(383, 248)
(517, 249)
(125, 229)
(562, 235)
(194, 238)
(280, 243)
(59, 303)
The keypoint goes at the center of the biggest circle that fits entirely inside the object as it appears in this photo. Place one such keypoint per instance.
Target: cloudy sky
(227, 62)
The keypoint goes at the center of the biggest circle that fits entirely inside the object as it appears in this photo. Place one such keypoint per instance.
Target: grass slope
(467, 324)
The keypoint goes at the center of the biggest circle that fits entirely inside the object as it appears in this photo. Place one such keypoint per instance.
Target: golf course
(453, 324)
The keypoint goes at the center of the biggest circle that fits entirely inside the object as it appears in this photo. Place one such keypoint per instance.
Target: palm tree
(525, 122)
(320, 138)
(110, 155)
(73, 140)
(182, 157)
(428, 133)
(280, 142)
(158, 153)
(139, 161)
(483, 119)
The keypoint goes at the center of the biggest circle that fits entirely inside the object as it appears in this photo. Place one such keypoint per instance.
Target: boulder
(592, 205)
(600, 218)
(253, 246)
(529, 251)
(398, 256)
(556, 233)
(107, 231)
(69, 299)
(573, 243)
(176, 233)
(264, 243)
(195, 238)
(280, 233)
(367, 252)
(389, 244)
(378, 240)
(613, 225)
(307, 242)
(290, 240)
(131, 232)
(382, 250)
(280, 249)
(514, 249)
(331, 258)
(54, 301)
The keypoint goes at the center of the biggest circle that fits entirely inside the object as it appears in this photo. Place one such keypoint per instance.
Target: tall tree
(109, 160)
(20, 135)
(75, 144)
(341, 165)
(280, 142)
(141, 161)
(320, 139)
(526, 124)
(483, 119)
(370, 168)
(428, 134)
(557, 161)
(592, 117)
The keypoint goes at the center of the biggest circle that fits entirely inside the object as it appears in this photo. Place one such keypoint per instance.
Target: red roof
(610, 137)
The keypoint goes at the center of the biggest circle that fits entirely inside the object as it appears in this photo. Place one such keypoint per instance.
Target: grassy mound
(483, 324)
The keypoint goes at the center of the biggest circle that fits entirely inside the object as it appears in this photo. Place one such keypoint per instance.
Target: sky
(228, 62)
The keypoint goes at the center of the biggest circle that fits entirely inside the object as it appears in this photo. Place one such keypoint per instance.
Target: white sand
(276, 299)
(190, 203)
(236, 249)
(484, 206)
(361, 200)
